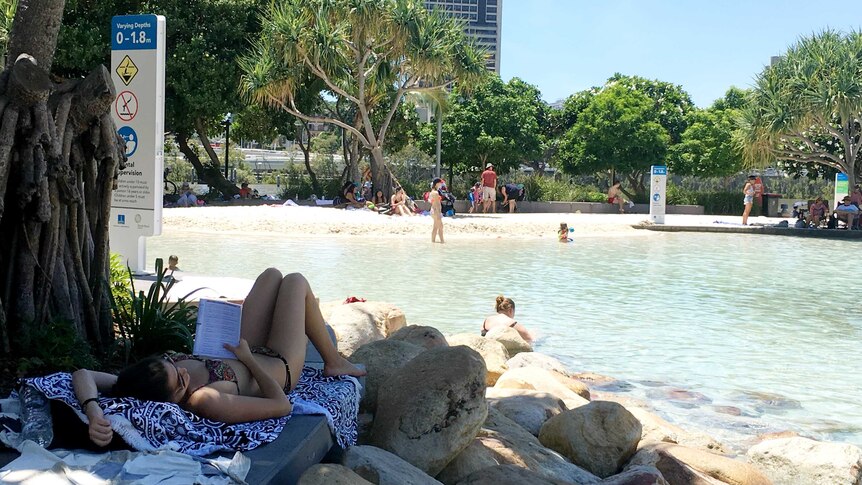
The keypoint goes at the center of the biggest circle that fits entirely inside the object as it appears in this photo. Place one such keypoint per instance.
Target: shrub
(55, 347)
(148, 323)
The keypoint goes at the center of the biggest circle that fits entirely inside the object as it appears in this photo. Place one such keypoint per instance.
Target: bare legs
(280, 312)
(438, 228)
(745, 214)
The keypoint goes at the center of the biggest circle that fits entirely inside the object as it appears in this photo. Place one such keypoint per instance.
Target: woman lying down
(277, 314)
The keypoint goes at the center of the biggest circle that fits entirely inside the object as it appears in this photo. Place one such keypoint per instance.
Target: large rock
(600, 436)
(511, 339)
(637, 475)
(689, 466)
(572, 392)
(431, 408)
(381, 359)
(354, 327)
(657, 430)
(383, 468)
(530, 409)
(536, 359)
(387, 318)
(330, 474)
(492, 351)
(801, 460)
(503, 442)
(427, 337)
(508, 475)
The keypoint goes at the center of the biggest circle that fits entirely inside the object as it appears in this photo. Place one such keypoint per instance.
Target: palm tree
(363, 51)
(807, 107)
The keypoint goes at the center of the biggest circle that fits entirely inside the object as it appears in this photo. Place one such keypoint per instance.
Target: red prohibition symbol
(126, 106)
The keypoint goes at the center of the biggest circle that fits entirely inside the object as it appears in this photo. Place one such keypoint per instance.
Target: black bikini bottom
(263, 350)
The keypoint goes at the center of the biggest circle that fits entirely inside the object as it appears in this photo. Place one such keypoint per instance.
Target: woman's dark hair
(435, 182)
(504, 304)
(146, 379)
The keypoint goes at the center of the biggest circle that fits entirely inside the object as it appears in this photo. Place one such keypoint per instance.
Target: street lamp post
(228, 119)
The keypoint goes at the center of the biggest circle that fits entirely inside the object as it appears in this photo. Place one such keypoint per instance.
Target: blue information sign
(134, 32)
(659, 169)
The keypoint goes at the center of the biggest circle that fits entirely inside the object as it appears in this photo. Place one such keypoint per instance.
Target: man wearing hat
(187, 199)
(489, 189)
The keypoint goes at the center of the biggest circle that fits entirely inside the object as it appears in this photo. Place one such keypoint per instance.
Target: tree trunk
(382, 177)
(210, 174)
(214, 178)
(301, 128)
(60, 156)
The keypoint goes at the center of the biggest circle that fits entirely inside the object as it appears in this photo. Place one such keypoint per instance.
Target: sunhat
(489, 165)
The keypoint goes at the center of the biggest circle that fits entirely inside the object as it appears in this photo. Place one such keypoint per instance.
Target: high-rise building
(483, 21)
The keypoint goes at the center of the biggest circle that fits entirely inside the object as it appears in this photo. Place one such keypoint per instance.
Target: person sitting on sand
(379, 199)
(173, 261)
(348, 196)
(505, 317)
(615, 196)
(244, 191)
(277, 316)
(188, 198)
(563, 233)
(398, 203)
(817, 212)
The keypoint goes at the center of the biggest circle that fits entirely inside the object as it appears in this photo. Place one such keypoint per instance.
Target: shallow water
(734, 334)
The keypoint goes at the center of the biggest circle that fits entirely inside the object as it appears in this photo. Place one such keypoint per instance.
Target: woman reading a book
(279, 312)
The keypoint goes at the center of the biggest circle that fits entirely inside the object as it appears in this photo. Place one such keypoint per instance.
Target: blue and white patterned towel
(147, 425)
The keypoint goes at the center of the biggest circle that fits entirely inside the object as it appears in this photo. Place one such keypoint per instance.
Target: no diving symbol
(126, 106)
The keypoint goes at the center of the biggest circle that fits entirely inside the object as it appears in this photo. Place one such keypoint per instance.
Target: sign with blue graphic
(131, 139)
(134, 32)
(658, 187)
(138, 71)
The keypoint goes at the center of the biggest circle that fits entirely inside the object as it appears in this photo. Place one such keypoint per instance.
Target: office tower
(483, 21)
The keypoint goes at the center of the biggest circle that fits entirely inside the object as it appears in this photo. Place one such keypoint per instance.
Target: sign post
(138, 72)
(658, 189)
(842, 188)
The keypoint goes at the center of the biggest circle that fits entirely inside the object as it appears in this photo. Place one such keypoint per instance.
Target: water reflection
(728, 316)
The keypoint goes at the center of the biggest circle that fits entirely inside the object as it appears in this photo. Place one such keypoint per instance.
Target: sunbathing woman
(278, 314)
(399, 203)
(505, 317)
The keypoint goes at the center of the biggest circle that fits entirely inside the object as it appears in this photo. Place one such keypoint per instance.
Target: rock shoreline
(463, 409)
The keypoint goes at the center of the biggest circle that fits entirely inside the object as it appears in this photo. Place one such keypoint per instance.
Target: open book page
(218, 323)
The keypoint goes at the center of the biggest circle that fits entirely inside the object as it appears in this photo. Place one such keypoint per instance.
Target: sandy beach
(321, 221)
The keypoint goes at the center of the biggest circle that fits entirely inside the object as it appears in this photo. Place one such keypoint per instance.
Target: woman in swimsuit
(277, 316)
(398, 203)
(748, 198)
(436, 210)
(505, 317)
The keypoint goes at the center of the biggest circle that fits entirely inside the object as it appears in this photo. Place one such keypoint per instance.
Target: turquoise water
(733, 334)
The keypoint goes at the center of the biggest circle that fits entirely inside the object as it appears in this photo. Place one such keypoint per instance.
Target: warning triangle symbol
(127, 70)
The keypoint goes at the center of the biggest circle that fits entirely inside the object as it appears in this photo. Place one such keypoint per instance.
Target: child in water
(563, 233)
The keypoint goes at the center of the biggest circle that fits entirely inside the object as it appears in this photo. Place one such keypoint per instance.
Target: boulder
(353, 328)
(381, 358)
(683, 466)
(538, 379)
(383, 468)
(801, 460)
(431, 408)
(530, 409)
(388, 317)
(511, 339)
(657, 430)
(637, 475)
(428, 337)
(330, 474)
(503, 442)
(492, 351)
(600, 436)
(507, 475)
(536, 359)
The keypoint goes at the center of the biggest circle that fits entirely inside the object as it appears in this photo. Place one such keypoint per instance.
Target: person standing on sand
(436, 210)
(748, 198)
(489, 189)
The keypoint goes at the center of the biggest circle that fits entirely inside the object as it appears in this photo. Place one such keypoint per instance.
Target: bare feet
(342, 367)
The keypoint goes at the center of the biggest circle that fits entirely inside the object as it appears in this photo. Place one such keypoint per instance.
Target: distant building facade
(483, 20)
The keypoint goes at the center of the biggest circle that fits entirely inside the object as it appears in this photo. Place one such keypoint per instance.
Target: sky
(565, 46)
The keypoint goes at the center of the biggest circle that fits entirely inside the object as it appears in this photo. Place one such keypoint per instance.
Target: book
(218, 323)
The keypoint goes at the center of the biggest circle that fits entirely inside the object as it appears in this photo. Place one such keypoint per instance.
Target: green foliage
(707, 147)
(7, 15)
(327, 143)
(495, 122)
(149, 323)
(618, 130)
(55, 347)
(548, 189)
(413, 168)
(805, 109)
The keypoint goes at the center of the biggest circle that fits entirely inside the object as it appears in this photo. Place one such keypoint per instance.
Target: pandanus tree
(368, 53)
(806, 108)
(59, 158)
